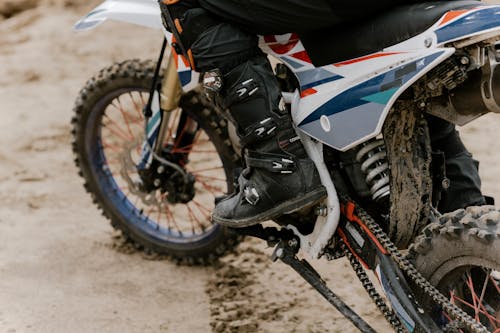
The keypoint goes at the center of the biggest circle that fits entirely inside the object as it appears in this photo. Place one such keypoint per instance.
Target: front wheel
(460, 255)
(108, 130)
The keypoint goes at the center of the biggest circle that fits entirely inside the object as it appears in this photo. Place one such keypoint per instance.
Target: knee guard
(186, 20)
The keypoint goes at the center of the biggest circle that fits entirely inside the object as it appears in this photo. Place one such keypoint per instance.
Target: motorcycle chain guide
(461, 319)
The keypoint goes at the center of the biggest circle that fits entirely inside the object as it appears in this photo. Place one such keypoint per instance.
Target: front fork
(165, 96)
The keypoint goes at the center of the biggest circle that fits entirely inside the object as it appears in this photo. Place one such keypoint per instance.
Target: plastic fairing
(145, 13)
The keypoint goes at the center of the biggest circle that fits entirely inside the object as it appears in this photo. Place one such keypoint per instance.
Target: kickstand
(286, 252)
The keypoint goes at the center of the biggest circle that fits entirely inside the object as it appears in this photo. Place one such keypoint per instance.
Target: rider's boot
(461, 169)
(279, 177)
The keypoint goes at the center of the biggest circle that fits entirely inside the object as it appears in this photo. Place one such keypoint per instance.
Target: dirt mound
(9, 8)
(238, 301)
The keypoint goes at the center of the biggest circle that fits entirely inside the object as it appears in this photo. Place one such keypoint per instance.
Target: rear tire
(463, 246)
(94, 163)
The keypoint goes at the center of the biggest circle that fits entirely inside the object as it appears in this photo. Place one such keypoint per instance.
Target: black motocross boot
(464, 188)
(279, 177)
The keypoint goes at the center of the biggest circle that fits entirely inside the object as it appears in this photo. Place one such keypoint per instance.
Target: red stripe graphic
(308, 92)
(302, 56)
(368, 57)
(451, 15)
(281, 48)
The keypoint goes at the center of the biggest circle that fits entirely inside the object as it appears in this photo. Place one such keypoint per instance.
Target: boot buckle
(251, 195)
(258, 132)
(276, 163)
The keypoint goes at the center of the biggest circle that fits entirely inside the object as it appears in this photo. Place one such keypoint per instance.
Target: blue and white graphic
(355, 113)
(475, 22)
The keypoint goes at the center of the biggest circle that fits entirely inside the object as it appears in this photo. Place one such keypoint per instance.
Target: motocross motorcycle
(156, 156)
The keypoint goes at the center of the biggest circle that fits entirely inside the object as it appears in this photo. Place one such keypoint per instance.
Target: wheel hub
(178, 187)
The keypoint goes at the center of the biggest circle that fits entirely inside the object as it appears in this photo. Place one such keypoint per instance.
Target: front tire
(107, 132)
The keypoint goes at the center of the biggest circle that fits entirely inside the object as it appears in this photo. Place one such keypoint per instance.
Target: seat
(352, 40)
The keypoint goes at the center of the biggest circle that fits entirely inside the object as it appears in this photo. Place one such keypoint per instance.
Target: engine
(465, 86)
(448, 75)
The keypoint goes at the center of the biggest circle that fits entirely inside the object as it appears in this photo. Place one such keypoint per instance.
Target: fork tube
(171, 90)
(170, 96)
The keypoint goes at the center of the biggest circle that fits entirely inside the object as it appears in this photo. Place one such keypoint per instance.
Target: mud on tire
(459, 255)
(98, 92)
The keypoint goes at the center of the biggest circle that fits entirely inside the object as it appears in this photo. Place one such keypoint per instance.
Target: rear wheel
(460, 255)
(108, 128)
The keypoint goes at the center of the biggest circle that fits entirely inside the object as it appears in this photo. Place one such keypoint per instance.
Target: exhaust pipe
(490, 83)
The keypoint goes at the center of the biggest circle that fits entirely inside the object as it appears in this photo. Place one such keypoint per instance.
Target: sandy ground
(63, 269)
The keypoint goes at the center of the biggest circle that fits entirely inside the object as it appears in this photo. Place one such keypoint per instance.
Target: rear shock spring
(374, 164)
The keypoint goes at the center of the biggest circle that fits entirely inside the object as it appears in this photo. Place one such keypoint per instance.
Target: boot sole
(286, 207)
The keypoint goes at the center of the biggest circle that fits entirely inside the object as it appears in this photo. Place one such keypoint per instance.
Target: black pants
(222, 34)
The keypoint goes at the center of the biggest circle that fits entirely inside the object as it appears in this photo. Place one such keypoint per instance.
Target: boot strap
(271, 162)
(258, 132)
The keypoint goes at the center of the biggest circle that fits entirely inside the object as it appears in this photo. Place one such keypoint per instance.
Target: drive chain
(379, 301)
(407, 267)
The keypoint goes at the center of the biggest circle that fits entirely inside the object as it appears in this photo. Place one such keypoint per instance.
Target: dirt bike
(156, 156)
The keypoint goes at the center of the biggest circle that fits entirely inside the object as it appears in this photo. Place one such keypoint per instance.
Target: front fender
(145, 13)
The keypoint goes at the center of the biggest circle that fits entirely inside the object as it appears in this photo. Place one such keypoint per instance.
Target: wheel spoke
(174, 221)
(195, 218)
(112, 147)
(480, 307)
(186, 151)
(205, 211)
(170, 216)
(482, 311)
(211, 178)
(199, 204)
(207, 169)
(117, 130)
(181, 135)
(470, 284)
(210, 188)
(125, 117)
(112, 161)
(495, 283)
(137, 107)
(484, 287)
(189, 147)
(149, 211)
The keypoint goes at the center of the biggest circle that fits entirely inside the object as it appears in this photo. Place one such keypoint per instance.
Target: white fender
(145, 13)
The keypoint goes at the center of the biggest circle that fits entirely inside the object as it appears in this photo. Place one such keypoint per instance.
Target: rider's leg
(279, 177)
(266, 17)
(461, 168)
(284, 16)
